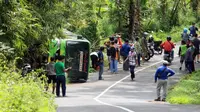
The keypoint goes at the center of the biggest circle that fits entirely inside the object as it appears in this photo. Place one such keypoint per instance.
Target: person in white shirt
(132, 58)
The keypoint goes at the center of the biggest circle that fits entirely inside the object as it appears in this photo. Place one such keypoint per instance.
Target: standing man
(196, 43)
(193, 29)
(144, 46)
(113, 66)
(189, 58)
(51, 75)
(117, 47)
(60, 76)
(107, 44)
(184, 35)
(124, 52)
(101, 62)
(120, 46)
(161, 77)
(138, 50)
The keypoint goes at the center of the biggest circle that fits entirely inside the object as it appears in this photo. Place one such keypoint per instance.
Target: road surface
(117, 93)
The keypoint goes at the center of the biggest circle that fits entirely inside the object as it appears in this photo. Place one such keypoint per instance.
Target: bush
(23, 94)
(175, 33)
(187, 91)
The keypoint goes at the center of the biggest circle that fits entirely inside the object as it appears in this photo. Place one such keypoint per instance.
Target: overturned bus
(76, 50)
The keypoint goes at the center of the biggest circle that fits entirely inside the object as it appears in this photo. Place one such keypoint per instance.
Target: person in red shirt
(168, 46)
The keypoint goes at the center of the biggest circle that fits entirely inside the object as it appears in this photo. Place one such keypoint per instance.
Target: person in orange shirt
(119, 43)
(117, 47)
(168, 46)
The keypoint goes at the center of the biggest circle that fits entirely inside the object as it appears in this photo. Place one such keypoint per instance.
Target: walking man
(182, 51)
(132, 58)
(161, 77)
(60, 76)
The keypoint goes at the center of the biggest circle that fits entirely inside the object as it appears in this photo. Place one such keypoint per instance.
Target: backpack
(185, 37)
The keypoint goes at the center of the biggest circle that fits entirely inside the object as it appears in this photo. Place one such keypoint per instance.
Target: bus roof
(74, 37)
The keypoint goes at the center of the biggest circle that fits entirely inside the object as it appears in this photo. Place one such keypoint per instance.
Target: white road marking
(106, 90)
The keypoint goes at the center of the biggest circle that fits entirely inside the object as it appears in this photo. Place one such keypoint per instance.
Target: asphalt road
(117, 93)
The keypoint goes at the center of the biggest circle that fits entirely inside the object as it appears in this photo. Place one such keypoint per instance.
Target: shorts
(51, 78)
(196, 51)
(182, 59)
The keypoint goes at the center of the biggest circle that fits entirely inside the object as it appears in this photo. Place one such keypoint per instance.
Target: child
(182, 52)
(132, 61)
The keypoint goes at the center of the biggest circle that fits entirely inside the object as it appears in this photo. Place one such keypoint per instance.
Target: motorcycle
(169, 56)
(26, 69)
(157, 47)
(147, 57)
(150, 49)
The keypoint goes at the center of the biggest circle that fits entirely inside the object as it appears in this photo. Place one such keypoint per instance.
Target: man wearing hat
(161, 77)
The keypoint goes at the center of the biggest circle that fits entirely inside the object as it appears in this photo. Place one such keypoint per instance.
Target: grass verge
(187, 91)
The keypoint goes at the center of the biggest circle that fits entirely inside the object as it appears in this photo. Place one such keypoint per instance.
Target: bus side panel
(77, 57)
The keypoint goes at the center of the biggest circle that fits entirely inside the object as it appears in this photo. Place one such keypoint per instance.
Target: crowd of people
(189, 49)
(188, 53)
(131, 55)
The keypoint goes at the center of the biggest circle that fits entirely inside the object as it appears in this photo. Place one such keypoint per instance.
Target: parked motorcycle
(150, 49)
(26, 69)
(147, 57)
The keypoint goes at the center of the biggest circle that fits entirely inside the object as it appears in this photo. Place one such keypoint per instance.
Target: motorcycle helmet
(169, 38)
(145, 34)
(132, 47)
(151, 38)
(185, 30)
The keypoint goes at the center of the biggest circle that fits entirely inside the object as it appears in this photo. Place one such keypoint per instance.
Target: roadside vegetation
(22, 94)
(27, 26)
(187, 91)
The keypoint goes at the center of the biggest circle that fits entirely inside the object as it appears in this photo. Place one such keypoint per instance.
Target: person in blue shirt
(193, 29)
(124, 52)
(101, 62)
(161, 77)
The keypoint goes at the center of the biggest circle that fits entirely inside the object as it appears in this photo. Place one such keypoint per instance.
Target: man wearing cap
(132, 57)
(161, 77)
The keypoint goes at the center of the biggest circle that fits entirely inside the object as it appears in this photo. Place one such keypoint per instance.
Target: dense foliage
(29, 22)
(187, 91)
(22, 94)
(26, 26)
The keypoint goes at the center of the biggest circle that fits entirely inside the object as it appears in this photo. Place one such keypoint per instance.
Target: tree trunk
(119, 2)
(194, 5)
(131, 19)
(174, 13)
(137, 19)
